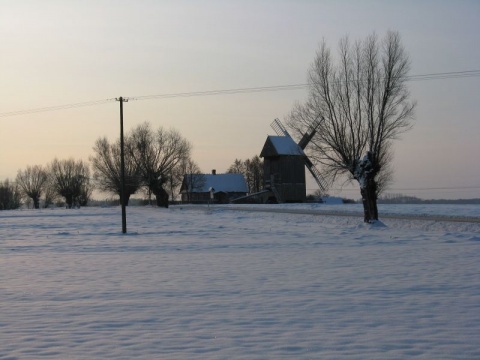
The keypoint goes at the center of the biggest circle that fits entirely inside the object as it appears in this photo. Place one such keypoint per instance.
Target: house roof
(281, 145)
(220, 182)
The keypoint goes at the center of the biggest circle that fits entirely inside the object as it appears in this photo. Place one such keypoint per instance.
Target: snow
(224, 182)
(284, 145)
(332, 200)
(218, 283)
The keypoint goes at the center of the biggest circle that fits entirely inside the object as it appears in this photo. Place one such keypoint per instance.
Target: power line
(55, 108)
(433, 76)
(223, 92)
(420, 77)
(445, 75)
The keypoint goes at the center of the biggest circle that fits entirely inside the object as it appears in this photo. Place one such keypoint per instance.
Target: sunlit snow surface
(211, 283)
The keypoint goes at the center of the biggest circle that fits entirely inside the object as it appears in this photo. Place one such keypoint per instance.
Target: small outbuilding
(199, 188)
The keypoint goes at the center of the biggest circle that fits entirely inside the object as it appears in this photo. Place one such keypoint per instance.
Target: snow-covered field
(212, 283)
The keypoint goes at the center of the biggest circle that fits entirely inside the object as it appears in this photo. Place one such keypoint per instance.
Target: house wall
(196, 197)
(204, 197)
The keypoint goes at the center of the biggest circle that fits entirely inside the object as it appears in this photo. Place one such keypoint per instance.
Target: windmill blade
(279, 128)
(321, 182)
(308, 136)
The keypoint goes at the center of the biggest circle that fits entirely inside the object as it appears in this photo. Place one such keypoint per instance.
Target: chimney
(214, 172)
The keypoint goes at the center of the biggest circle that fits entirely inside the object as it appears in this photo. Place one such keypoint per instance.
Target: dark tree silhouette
(50, 194)
(10, 195)
(107, 169)
(71, 180)
(32, 182)
(252, 170)
(195, 180)
(158, 154)
(238, 167)
(363, 104)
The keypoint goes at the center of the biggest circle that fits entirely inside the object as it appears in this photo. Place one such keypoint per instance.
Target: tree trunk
(162, 197)
(369, 200)
(127, 198)
(36, 202)
(69, 201)
(364, 172)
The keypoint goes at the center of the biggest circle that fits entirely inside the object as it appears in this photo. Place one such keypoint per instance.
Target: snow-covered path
(220, 284)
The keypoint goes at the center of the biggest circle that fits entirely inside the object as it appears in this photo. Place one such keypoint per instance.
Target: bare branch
(365, 104)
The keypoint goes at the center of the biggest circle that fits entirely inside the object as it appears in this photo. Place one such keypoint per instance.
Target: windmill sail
(279, 128)
(310, 133)
(321, 182)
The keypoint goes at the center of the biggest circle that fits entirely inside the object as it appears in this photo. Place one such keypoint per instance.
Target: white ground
(221, 284)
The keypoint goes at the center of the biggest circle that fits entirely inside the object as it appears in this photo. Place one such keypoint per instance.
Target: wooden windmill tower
(284, 164)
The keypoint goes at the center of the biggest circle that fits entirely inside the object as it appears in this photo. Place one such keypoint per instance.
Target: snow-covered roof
(222, 182)
(281, 145)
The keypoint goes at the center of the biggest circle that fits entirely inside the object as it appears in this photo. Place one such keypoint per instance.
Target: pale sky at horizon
(66, 52)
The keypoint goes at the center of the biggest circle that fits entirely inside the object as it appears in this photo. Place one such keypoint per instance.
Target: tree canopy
(361, 102)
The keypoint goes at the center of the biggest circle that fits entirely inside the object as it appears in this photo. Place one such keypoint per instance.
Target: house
(284, 169)
(197, 188)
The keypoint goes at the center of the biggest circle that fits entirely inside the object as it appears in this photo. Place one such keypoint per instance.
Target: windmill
(284, 162)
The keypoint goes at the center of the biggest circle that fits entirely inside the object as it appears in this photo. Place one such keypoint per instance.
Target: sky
(73, 52)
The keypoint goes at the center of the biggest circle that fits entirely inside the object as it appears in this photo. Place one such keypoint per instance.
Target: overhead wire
(222, 92)
(420, 77)
(444, 75)
(55, 108)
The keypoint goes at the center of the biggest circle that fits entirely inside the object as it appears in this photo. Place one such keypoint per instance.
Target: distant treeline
(404, 199)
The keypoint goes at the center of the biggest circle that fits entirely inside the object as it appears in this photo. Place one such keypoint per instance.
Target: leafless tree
(177, 174)
(363, 103)
(252, 170)
(254, 174)
(192, 176)
(71, 180)
(10, 195)
(50, 194)
(238, 167)
(32, 181)
(157, 153)
(107, 169)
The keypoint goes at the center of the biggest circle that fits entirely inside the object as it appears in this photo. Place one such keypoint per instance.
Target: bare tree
(175, 178)
(252, 170)
(32, 181)
(157, 154)
(71, 180)
(50, 194)
(254, 174)
(86, 191)
(193, 177)
(238, 167)
(10, 195)
(363, 104)
(107, 169)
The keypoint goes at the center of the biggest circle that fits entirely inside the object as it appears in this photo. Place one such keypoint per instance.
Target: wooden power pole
(122, 167)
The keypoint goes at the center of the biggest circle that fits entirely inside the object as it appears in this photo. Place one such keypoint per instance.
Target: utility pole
(122, 167)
